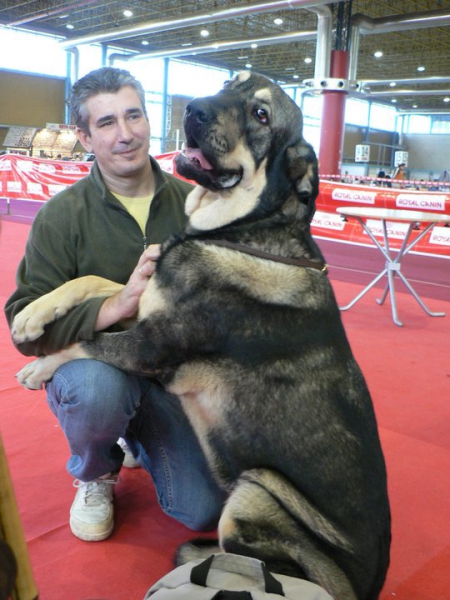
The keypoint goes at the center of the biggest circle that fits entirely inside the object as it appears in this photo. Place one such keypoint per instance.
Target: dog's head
(248, 137)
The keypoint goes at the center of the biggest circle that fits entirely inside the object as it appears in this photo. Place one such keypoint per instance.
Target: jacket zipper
(144, 241)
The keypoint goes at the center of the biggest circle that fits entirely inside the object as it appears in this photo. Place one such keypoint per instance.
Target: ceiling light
(295, 76)
(447, 99)
(204, 33)
(70, 26)
(127, 13)
(289, 69)
(242, 57)
(421, 68)
(414, 105)
(392, 84)
(278, 21)
(308, 60)
(394, 100)
(248, 66)
(254, 46)
(378, 54)
(186, 44)
(145, 43)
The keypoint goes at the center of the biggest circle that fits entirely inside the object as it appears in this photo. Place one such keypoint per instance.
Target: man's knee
(93, 384)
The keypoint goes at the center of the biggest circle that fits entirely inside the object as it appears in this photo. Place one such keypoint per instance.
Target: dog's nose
(199, 110)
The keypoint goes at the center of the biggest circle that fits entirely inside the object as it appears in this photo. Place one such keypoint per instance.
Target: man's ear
(302, 171)
(84, 139)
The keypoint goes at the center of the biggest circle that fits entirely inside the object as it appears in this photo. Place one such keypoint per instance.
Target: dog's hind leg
(255, 523)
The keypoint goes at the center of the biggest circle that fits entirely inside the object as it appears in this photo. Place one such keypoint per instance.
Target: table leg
(419, 299)
(392, 267)
(364, 291)
(388, 263)
(395, 318)
(404, 250)
(378, 277)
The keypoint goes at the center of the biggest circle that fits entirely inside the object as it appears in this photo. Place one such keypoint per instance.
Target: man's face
(119, 133)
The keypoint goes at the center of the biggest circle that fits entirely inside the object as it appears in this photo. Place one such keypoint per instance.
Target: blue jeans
(96, 404)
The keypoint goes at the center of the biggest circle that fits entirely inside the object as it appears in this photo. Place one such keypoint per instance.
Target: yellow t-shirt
(138, 208)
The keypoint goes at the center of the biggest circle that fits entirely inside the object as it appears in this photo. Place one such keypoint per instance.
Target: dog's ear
(302, 170)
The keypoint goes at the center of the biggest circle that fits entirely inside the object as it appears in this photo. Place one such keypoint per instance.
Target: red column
(333, 118)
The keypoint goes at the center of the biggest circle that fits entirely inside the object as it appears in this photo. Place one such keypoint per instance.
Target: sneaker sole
(78, 532)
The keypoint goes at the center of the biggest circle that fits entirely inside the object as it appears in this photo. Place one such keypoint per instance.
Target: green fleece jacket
(85, 230)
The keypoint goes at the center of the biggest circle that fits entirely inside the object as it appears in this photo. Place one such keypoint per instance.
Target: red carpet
(408, 372)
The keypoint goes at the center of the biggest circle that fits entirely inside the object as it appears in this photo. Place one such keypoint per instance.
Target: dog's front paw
(25, 328)
(29, 324)
(36, 373)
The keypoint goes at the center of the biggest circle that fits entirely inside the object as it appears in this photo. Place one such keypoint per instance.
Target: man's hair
(106, 80)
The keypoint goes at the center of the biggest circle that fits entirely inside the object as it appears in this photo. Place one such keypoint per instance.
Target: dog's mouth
(196, 157)
(193, 164)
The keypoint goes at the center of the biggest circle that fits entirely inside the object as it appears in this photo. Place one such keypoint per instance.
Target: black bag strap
(200, 572)
(227, 595)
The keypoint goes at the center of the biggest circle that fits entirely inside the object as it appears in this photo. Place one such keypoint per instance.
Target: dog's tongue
(196, 153)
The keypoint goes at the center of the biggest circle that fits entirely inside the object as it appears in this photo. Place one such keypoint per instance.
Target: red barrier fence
(327, 223)
(23, 177)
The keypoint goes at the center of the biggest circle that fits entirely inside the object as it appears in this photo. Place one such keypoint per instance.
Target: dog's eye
(262, 115)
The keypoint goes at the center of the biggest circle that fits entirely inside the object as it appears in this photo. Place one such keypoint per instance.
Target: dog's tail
(265, 517)
(297, 506)
(196, 548)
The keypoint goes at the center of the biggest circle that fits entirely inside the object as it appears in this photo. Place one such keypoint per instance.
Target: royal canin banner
(328, 223)
(26, 178)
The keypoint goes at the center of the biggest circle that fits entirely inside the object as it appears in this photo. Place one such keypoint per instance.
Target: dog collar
(297, 262)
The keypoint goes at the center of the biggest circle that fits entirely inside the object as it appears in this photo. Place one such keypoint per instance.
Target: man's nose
(125, 133)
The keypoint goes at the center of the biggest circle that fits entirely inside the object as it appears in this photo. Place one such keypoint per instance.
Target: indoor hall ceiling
(403, 51)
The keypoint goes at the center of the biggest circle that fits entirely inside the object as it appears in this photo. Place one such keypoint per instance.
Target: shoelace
(94, 491)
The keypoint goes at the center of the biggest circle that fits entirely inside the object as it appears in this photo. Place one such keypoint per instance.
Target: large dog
(240, 321)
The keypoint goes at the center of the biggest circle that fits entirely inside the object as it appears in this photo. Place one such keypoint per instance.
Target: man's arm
(124, 304)
(49, 262)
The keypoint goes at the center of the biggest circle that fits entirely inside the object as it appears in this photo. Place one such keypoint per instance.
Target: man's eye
(262, 115)
(106, 124)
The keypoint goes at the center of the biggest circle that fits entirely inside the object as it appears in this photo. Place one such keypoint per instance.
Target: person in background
(110, 224)
(399, 175)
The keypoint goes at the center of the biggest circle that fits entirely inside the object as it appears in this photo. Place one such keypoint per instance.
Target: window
(357, 112)
(382, 117)
(192, 80)
(440, 125)
(418, 124)
(16, 54)
(312, 106)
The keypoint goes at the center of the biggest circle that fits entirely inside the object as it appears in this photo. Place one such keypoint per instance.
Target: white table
(393, 265)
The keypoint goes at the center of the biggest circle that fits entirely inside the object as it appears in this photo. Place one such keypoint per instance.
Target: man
(110, 224)
(399, 174)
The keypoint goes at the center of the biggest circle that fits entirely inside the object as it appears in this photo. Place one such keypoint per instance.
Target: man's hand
(124, 304)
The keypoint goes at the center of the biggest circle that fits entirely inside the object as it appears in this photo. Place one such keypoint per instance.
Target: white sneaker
(92, 512)
(129, 461)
